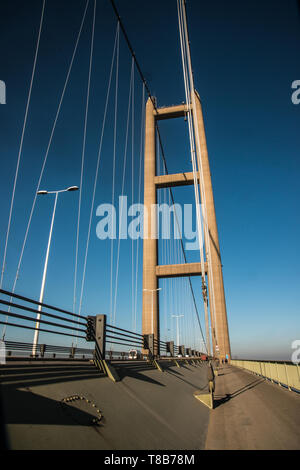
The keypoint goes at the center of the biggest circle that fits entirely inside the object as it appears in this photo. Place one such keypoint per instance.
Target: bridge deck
(147, 409)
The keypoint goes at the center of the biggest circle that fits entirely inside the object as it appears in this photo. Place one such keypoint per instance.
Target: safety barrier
(285, 374)
(95, 329)
(120, 336)
(68, 325)
(20, 350)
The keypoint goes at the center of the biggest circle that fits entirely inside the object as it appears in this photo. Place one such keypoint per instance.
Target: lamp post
(177, 326)
(38, 317)
(152, 291)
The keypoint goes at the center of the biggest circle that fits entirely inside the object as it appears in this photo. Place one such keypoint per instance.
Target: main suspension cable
(200, 166)
(188, 91)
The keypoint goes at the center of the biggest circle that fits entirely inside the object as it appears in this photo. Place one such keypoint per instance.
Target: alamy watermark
(296, 94)
(296, 353)
(161, 221)
(2, 92)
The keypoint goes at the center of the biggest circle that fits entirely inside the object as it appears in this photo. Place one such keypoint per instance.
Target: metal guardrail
(20, 309)
(120, 336)
(282, 373)
(156, 348)
(20, 350)
(73, 323)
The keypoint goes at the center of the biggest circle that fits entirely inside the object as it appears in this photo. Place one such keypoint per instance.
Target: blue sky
(245, 58)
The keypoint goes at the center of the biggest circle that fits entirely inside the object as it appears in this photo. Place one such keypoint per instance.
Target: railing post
(182, 350)
(72, 352)
(100, 350)
(170, 347)
(42, 349)
(149, 343)
(100, 333)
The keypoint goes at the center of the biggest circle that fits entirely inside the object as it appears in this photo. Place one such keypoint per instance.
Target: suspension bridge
(154, 369)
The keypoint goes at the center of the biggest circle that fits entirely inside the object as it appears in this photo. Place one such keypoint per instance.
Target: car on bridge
(134, 354)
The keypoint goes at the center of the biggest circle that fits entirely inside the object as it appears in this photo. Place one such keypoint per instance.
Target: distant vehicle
(134, 354)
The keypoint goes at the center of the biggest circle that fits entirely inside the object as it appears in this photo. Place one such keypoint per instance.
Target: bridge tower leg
(219, 322)
(150, 322)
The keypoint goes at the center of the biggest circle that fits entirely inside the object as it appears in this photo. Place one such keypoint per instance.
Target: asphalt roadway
(146, 409)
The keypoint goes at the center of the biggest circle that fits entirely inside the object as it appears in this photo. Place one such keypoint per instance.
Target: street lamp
(37, 325)
(177, 326)
(152, 290)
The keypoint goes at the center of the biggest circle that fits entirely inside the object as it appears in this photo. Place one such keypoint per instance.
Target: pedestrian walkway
(252, 413)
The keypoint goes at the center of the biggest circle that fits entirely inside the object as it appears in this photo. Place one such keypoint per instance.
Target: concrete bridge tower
(151, 270)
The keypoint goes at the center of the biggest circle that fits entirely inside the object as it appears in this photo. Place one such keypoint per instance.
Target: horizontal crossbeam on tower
(171, 112)
(179, 270)
(178, 179)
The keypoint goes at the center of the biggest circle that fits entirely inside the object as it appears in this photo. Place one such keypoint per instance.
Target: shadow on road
(195, 385)
(220, 400)
(26, 407)
(135, 371)
(27, 375)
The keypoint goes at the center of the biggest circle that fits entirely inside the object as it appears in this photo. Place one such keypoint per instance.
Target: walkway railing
(19, 350)
(68, 325)
(115, 335)
(286, 374)
(21, 312)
